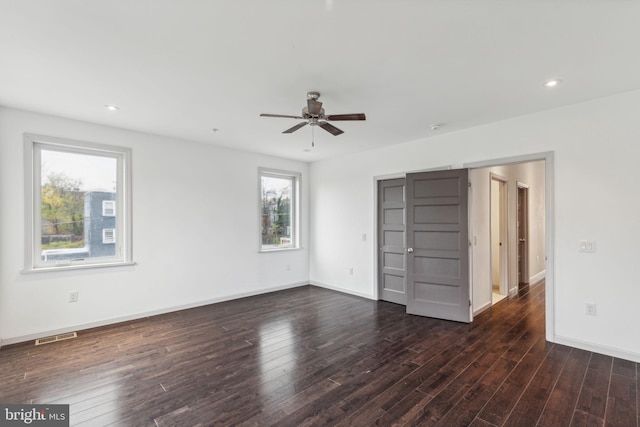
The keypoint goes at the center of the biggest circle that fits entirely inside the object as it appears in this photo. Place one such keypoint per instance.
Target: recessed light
(215, 130)
(552, 83)
(436, 126)
(111, 107)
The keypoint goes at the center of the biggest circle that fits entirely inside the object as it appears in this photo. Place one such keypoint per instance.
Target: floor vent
(56, 338)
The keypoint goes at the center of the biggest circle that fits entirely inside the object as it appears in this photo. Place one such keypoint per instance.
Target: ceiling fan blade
(281, 115)
(330, 128)
(295, 128)
(314, 107)
(359, 116)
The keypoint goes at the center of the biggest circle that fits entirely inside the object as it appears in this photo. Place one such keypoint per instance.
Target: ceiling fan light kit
(313, 114)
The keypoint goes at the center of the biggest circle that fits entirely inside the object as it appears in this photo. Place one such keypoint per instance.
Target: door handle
(410, 250)
(522, 240)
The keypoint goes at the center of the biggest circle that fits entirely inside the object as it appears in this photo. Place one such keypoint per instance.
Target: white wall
(195, 233)
(532, 174)
(596, 154)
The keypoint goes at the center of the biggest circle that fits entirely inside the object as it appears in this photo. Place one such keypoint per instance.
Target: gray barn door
(437, 245)
(391, 241)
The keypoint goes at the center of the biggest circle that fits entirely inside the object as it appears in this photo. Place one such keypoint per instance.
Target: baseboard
(538, 277)
(106, 322)
(482, 308)
(343, 290)
(596, 348)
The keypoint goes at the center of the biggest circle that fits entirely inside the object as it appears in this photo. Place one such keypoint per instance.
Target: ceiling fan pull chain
(313, 144)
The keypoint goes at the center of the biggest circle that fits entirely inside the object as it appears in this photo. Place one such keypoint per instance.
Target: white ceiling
(182, 67)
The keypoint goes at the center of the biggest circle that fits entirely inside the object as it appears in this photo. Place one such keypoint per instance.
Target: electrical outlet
(351, 270)
(590, 309)
(73, 296)
(288, 267)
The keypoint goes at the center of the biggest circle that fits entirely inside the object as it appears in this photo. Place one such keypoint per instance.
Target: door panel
(523, 235)
(437, 238)
(391, 241)
(444, 214)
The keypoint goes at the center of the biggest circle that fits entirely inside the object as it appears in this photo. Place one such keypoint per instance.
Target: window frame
(33, 146)
(295, 208)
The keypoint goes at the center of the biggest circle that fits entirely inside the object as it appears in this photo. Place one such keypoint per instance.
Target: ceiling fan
(313, 114)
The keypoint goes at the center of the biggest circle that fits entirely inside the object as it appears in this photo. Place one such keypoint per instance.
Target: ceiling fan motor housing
(309, 116)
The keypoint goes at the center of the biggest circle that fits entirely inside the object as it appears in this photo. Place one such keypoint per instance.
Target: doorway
(499, 238)
(531, 178)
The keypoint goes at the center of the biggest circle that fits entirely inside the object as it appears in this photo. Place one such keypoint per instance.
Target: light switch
(587, 246)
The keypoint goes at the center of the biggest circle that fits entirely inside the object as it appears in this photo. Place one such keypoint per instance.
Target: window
(108, 208)
(278, 210)
(79, 202)
(108, 235)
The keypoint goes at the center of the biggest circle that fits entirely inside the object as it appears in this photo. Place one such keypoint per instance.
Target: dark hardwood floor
(310, 356)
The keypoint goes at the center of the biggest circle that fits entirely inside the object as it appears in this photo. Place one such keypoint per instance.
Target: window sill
(76, 267)
(266, 251)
